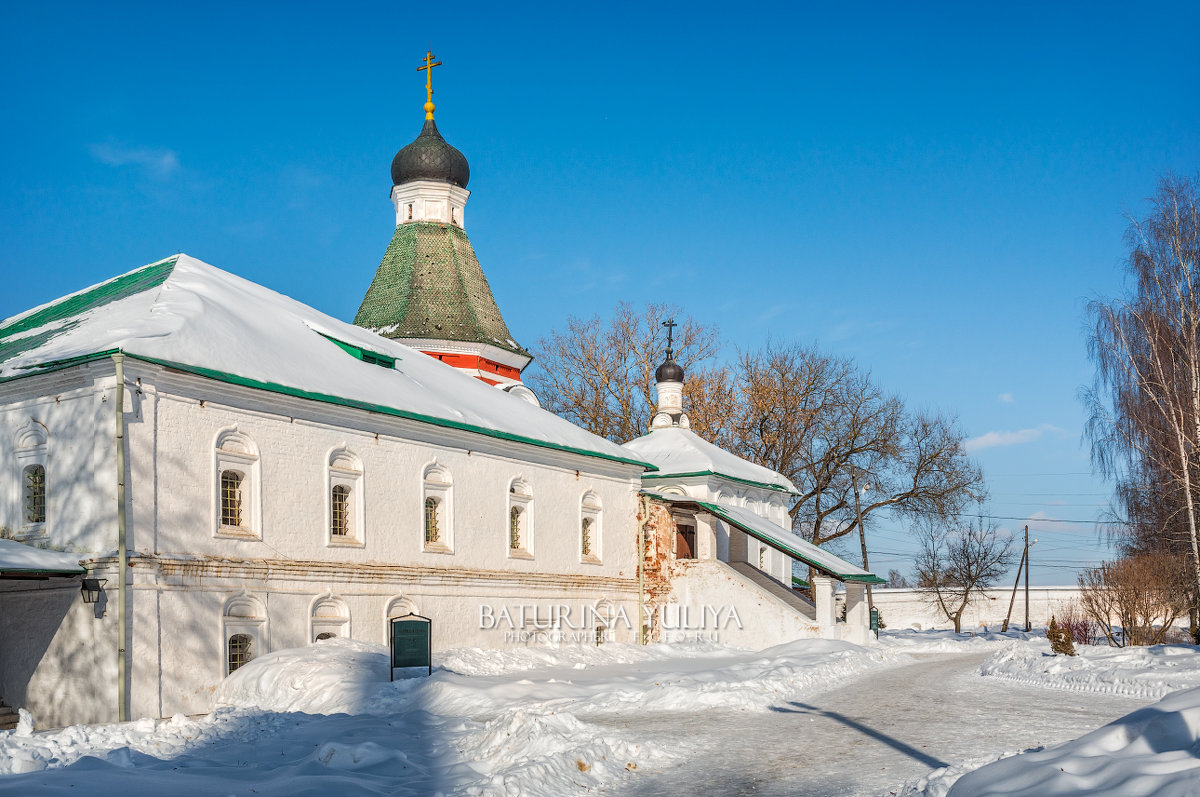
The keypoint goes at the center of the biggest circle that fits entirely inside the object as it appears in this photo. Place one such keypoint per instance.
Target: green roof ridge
(430, 285)
(68, 307)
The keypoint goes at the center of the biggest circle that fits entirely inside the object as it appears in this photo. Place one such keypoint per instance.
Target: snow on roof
(682, 452)
(186, 314)
(779, 538)
(18, 558)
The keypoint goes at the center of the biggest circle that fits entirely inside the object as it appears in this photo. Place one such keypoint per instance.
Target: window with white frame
(329, 617)
(344, 499)
(589, 528)
(31, 486)
(436, 509)
(244, 631)
(237, 510)
(520, 519)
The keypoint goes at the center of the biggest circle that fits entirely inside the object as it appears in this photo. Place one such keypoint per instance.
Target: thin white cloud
(160, 163)
(994, 439)
(1005, 398)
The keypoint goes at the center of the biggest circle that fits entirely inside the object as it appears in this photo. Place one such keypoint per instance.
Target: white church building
(197, 470)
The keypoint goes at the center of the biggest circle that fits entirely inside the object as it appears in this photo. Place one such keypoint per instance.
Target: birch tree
(1144, 405)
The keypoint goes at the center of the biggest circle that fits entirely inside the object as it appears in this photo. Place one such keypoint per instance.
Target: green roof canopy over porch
(777, 537)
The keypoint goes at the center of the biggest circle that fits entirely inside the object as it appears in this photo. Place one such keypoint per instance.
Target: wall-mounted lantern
(91, 589)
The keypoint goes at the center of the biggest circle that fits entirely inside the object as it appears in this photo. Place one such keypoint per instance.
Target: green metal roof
(430, 285)
(69, 308)
(718, 474)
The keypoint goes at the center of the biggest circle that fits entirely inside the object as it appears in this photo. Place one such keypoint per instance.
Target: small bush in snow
(1060, 638)
(1082, 628)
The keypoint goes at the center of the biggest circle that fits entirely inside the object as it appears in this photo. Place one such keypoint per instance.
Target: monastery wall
(910, 608)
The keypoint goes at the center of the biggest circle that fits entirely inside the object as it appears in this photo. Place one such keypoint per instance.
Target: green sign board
(874, 619)
(411, 642)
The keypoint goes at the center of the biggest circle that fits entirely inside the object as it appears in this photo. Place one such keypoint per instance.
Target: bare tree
(599, 373)
(1144, 407)
(827, 426)
(817, 419)
(958, 563)
(1135, 599)
(896, 580)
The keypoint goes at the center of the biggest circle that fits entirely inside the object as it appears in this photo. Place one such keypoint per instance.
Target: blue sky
(932, 189)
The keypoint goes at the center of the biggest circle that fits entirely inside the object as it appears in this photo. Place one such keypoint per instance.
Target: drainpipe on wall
(122, 550)
(641, 544)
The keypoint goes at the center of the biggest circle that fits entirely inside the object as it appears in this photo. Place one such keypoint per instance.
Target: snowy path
(864, 737)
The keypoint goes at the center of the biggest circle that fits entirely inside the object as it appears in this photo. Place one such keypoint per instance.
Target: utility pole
(1013, 598)
(1028, 627)
(862, 535)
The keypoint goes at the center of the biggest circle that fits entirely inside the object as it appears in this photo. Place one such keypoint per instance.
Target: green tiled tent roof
(430, 285)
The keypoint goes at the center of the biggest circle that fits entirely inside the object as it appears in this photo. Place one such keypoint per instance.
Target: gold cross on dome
(428, 70)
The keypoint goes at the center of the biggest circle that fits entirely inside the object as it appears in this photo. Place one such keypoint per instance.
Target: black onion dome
(670, 371)
(430, 158)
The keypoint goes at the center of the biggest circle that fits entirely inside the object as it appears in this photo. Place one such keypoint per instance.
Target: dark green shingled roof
(430, 285)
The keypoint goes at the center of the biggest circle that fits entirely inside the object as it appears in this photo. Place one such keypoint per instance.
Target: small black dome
(670, 371)
(430, 158)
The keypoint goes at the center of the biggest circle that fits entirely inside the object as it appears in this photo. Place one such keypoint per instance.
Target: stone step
(775, 588)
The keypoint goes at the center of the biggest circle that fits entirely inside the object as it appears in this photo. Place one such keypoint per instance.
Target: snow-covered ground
(326, 719)
(812, 717)
(1151, 751)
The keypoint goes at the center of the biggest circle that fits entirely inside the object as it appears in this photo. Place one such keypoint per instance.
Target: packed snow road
(864, 737)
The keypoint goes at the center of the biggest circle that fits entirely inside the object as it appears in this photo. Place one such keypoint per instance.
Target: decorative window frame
(343, 468)
(30, 450)
(438, 484)
(520, 498)
(244, 613)
(234, 450)
(328, 614)
(591, 509)
(397, 606)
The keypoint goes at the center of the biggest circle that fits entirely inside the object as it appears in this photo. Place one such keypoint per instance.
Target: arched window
(241, 651)
(436, 516)
(237, 486)
(329, 617)
(398, 606)
(344, 479)
(520, 520)
(244, 630)
(29, 490)
(339, 510)
(589, 528)
(231, 499)
(34, 482)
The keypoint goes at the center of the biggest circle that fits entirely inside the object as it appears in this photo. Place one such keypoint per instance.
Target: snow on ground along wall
(324, 719)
